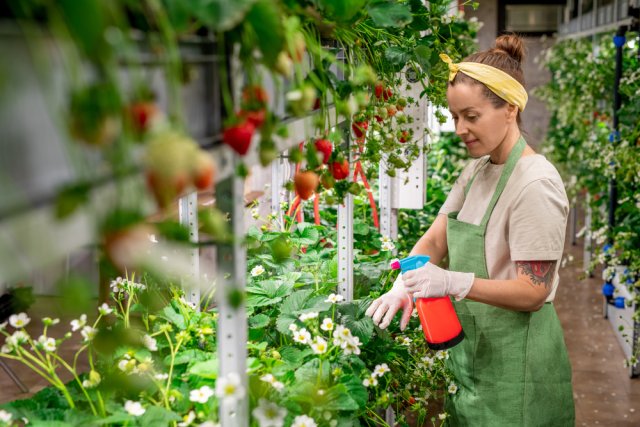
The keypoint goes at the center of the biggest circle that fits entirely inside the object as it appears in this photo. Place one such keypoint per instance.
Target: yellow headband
(499, 82)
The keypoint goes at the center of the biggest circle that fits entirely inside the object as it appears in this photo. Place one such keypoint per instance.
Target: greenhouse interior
(319, 213)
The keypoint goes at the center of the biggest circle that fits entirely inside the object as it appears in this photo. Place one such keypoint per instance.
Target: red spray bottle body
(438, 318)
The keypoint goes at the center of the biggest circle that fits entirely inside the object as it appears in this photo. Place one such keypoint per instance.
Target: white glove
(431, 281)
(388, 305)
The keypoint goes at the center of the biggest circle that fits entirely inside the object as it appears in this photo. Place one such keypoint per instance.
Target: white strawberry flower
(351, 346)
(302, 336)
(134, 408)
(380, 370)
(293, 327)
(428, 361)
(442, 354)
(19, 320)
(201, 395)
(327, 324)
(187, 419)
(78, 323)
(452, 389)
(319, 345)
(150, 343)
(268, 378)
(257, 271)
(161, 377)
(308, 316)
(442, 416)
(104, 309)
(370, 381)
(88, 333)
(304, 421)
(334, 298)
(406, 341)
(229, 389)
(16, 339)
(269, 414)
(118, 285)
(277, 385)
(47, 343)
(387, 246)
(5, 416)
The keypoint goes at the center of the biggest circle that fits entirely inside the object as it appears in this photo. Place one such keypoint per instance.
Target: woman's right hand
(384, 308)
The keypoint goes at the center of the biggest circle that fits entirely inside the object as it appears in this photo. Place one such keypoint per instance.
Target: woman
(503, 229)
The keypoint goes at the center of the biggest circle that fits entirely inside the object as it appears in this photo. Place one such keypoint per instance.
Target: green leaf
(310, 372)
(259, 321)
(295, 302)
(156, 416)
(267, 292)
(306, 236)
(355, 319)
(86, 24)
(265, 18)
(360, 228)
(293, 356)
(390, 14)
(187, 356)
(423, 57)
(283, 321)
(341, 10)
(221, 15)
(173, 230)
(206, 369)
(70, 198)
(337, 398)
(169, 313)
(356, 390)
(395, 58)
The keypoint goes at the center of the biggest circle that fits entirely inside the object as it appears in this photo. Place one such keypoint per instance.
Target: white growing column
(232, 320)
(188, 216)
(345, 248)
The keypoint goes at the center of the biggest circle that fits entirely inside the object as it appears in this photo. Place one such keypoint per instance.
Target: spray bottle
(438, 318)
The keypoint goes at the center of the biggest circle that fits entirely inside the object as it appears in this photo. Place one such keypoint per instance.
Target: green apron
(512, 367)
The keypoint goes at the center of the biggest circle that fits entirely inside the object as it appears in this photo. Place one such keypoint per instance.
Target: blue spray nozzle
(410, 263)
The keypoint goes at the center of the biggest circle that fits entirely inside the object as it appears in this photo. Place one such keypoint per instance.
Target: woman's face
(482, 127)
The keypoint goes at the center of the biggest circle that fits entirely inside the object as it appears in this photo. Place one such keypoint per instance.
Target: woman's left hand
(432, 281)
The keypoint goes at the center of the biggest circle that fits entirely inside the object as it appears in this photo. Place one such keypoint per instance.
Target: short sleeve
(537, 224)
(456, 196)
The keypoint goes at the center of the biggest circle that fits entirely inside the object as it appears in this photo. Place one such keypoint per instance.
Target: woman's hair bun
(512, 45)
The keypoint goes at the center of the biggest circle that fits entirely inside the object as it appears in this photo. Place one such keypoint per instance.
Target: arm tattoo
(538, 272)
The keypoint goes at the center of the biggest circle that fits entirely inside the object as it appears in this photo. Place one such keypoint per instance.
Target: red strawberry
(141, 115)
(387, 94)
(378, 89)
(412, 400)
(238, 136)
(254, 116)
(360, 128)
(255, 95)
(340, 170)
(203, 171)
(324, 146)
(306, 184)
(404, 136)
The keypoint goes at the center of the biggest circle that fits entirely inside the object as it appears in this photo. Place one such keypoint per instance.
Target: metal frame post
(232, 320)
(188, 216)
(345, 248)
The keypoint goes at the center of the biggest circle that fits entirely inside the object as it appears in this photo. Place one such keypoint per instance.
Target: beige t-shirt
(529, 220)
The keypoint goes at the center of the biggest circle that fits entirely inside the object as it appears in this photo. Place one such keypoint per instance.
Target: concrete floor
(603, 392)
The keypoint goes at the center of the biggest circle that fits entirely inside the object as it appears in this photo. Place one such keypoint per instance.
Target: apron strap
(514, 156)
